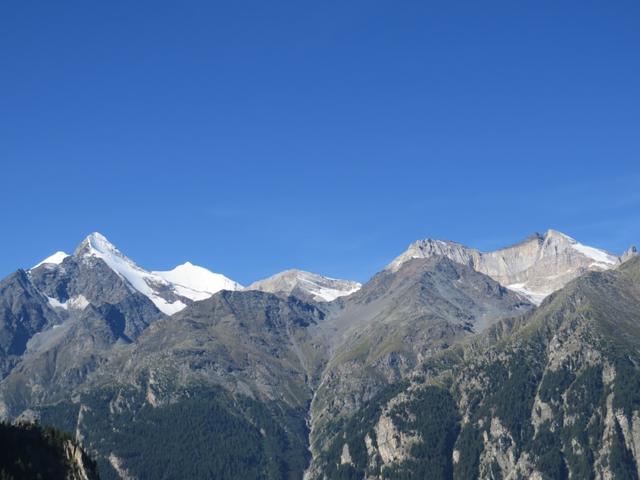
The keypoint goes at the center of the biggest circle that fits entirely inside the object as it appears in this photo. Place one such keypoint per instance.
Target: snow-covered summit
(96, 244)
(190, 280)
(55, 259)
(318, 287)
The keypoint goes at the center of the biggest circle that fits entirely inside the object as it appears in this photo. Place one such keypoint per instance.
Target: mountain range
(448, 363)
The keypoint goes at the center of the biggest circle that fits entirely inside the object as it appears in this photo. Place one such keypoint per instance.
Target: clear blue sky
(255, 136)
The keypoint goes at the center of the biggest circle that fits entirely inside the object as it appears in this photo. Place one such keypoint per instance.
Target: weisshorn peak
(535, 267)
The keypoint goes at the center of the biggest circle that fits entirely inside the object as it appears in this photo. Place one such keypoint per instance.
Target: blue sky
(251, 136)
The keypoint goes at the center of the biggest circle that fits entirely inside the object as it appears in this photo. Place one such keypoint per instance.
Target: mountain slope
(229, 372)
(551, 394)
(397, 320)
(252, 341)
(24, 311)
(85, 311)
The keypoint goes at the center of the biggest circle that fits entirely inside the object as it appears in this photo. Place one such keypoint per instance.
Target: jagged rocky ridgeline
(186, 374)
(535, 267)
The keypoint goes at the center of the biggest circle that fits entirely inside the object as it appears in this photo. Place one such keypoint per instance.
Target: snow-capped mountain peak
(96, 245)
(170, 291)
(197, 283)
(55, 259)
(318, 287)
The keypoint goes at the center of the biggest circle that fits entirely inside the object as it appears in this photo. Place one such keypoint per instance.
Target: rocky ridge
(306, 285)
(535, 267)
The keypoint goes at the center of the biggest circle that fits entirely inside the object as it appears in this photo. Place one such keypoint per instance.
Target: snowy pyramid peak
(152, 286)
(170, 291)
(97, 244)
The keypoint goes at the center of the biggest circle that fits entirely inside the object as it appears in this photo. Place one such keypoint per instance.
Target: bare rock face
(535, 267)
(631, 252)
(432, 248)
(393, 444)
(24, 311)
(79, 469)
(345, 457)
(500, 448)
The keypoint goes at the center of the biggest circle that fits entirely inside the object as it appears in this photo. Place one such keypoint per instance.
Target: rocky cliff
(29, 451)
